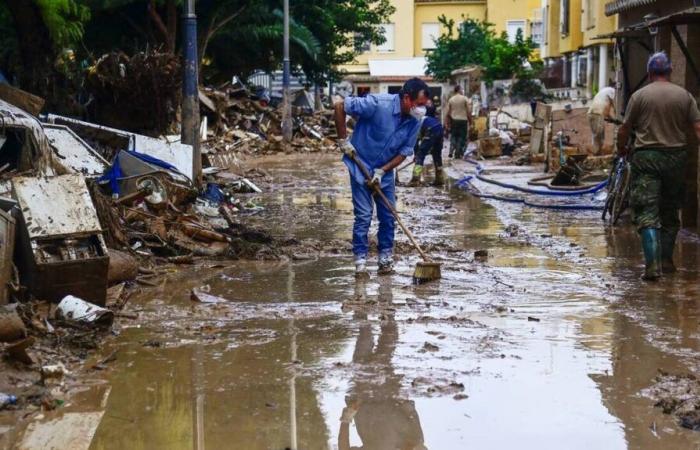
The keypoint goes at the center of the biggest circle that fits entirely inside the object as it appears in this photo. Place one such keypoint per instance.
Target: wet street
(546, 344)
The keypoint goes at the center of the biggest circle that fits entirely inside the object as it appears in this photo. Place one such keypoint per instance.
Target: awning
(400, 67)
(627, 32)
(690, 15)
(618, 6)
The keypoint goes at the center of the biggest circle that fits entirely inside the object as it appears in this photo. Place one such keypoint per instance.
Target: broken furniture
(61, 250)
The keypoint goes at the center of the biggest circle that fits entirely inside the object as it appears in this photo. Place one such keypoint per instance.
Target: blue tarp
(114, 173)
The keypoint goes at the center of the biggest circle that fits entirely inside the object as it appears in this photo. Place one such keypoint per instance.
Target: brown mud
(548, 342)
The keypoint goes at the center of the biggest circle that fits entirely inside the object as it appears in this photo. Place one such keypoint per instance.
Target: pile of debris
(87, 214)
(140, 93)
(238, 121)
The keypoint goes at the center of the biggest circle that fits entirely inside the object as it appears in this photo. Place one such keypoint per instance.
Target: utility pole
(286, 103)
(190, 90)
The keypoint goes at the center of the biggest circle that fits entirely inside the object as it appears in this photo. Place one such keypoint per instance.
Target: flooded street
(546, 344)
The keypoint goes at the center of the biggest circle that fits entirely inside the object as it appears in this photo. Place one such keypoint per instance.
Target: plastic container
(7, 399)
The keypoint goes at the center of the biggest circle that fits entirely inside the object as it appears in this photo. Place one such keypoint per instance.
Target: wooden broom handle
(387, 203)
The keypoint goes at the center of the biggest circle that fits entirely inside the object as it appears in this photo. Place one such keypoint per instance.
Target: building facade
(647, 26)
(412, 31)
(579, 60)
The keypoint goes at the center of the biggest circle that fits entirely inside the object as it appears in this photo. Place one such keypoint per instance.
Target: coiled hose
(465, 184)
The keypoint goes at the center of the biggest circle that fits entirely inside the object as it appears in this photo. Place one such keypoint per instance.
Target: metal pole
(286, 106)
(190, 93)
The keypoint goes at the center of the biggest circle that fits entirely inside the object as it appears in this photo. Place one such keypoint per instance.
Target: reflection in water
(384, 419)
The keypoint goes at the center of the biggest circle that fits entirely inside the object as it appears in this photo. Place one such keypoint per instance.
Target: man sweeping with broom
(385, 134)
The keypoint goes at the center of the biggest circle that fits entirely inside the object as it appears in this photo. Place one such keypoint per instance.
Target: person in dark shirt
(430, 142)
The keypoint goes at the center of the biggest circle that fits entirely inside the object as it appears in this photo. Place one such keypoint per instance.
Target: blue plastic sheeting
(114, 173)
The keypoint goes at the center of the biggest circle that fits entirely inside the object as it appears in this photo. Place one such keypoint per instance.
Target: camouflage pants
(657, 188)
(458, 138)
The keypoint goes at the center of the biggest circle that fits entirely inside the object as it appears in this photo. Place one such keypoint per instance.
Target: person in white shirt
(602, 106)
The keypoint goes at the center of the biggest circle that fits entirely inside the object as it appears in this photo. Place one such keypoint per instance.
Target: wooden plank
(22, 99)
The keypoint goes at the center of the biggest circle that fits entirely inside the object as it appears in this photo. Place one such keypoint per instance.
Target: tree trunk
(35, 46)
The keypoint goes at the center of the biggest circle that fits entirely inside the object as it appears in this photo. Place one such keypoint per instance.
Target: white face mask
(418, 112)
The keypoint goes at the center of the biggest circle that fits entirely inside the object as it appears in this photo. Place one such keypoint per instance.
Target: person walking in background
(661, 115)
(602, 107)
(458, 119)
(430, 142)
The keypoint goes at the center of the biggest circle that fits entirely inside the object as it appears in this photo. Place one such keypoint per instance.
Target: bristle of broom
(426, 271)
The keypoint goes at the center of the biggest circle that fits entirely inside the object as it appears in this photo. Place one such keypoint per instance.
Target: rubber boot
(439, 177)
(417, 176)
(668, 242)
(652, 254)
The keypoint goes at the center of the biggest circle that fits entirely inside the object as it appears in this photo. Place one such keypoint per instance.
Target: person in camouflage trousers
(660, 115)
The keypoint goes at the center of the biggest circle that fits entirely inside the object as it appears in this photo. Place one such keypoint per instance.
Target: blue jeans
(363, 206)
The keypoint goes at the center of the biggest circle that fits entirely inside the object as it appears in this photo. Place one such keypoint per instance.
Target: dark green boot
(417, 179)
(652, 254)
(668, 242)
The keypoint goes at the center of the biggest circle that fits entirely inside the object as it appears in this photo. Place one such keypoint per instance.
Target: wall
(429, 12)
(602, 25)
(501, 11)
(403, 39)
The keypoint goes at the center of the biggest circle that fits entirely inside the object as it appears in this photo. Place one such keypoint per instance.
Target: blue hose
(591, 190)
(465, 184)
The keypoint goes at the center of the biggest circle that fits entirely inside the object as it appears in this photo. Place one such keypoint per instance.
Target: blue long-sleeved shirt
(381, 132)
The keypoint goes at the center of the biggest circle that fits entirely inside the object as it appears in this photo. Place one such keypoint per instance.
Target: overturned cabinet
(61, 250)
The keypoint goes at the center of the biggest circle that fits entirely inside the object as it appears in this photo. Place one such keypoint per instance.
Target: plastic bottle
(7, 399)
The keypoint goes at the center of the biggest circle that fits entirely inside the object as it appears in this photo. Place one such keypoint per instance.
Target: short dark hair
(458, 88)
(413, 88)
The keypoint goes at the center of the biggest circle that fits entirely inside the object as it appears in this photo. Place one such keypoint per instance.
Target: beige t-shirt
(458, 107)
(661, 114)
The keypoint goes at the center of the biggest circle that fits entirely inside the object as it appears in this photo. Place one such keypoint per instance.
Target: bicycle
(618, 190)
(618, 186)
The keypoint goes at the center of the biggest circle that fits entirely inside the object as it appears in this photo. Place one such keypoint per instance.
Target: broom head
(426, 271)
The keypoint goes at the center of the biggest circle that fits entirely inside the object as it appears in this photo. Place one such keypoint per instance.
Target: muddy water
(546, 345)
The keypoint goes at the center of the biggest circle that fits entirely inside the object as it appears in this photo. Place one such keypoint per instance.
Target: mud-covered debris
(76, 310)
(52, 371)
(201, 295)
(481, 255)
(512, 230)
(679, 396)
(12, 328)
(428, 347)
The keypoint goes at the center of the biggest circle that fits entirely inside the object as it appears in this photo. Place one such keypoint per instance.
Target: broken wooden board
(22, 99)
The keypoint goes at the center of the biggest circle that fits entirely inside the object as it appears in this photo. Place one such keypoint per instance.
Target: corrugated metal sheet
(624, 5)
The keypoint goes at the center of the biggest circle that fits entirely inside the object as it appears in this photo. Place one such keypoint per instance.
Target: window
(537, 33)
(590, 6)
(361, 45)
(512, 27)
(564, 18)
(388, 32)
(429, 34)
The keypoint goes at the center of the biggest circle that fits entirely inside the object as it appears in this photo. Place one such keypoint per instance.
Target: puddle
(547, 344)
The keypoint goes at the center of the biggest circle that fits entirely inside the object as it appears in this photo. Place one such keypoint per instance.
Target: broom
(425, 270)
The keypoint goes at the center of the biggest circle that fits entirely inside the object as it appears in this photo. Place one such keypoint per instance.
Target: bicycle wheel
(612, 191)
(622, 198)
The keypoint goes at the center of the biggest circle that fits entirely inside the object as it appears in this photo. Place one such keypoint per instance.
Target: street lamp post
(286, 104)
(190, 93)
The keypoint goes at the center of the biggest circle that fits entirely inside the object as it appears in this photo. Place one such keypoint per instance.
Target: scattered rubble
(679, 396)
